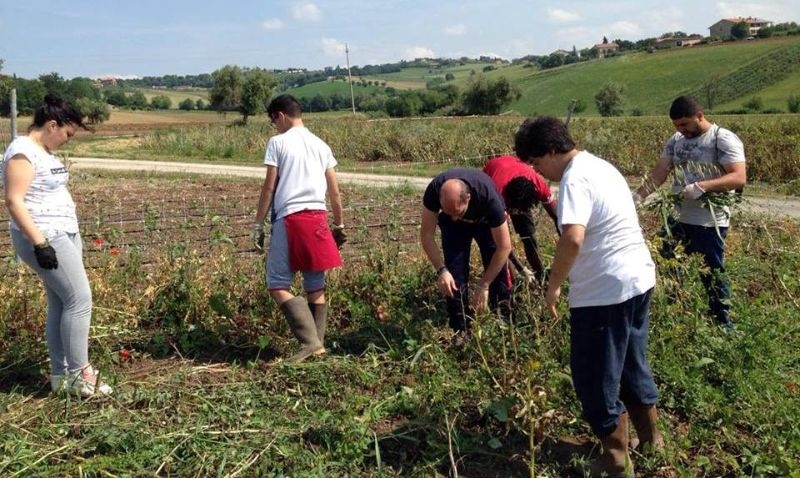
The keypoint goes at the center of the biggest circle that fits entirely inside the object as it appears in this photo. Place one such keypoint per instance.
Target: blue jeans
(706, 242)
(608, 358)
(69, 300)
(457, 237)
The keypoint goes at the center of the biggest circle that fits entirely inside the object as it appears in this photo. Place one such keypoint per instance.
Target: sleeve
(730, 147)
(20, 148)
(495, 208)
(668, 152)
(575, 204)
(430, 199)
(271, 156)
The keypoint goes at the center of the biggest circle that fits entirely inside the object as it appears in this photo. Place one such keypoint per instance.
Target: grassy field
(651, 80)
(186, 333)
(774, 96)
(424, 146)
(327, 88)
(177, 95)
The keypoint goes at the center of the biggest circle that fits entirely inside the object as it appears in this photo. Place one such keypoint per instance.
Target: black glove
(46, 256)
(339, 235)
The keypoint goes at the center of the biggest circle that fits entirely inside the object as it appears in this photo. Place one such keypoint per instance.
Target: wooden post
(13, 114)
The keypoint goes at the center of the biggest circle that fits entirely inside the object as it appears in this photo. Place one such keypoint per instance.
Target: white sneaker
(84, 383)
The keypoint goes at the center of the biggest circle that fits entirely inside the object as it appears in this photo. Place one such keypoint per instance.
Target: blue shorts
(608, 347)
(279, 272)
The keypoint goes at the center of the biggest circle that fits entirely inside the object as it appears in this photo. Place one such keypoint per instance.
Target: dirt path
(764, 205)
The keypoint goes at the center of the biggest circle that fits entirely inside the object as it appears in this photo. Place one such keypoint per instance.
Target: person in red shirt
(521, 188)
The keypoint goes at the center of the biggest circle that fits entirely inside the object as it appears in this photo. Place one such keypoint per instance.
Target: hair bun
(52, 99)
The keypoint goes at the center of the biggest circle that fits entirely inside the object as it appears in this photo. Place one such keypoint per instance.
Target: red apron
(311, 244)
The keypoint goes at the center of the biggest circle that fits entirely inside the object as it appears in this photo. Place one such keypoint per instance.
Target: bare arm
(550, 207)
(444, 281)
(735, 177)
(267, 191)
(656, 177)
(334, 196)
(427, 238)
(19, 176)
(569, 245)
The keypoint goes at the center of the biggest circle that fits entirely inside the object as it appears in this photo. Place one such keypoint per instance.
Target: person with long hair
(45, 234)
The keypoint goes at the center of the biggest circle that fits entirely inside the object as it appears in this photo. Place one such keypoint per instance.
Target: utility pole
(350, 78)
(13, 114)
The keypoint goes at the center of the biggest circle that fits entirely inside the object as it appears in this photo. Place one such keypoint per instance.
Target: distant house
(603, 49)
(722, 29)
(106, 81)
(672, 42)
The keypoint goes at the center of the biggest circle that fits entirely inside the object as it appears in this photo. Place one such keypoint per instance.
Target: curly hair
(520, 193)
(541, 135)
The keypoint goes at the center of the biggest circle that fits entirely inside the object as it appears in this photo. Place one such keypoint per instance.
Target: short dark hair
(59, 110)
(286, 104)
(684, 107)
(541, 135)
(520, 193)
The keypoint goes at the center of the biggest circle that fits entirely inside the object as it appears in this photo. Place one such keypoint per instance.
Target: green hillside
(326, 88)
(651, 80)
(773, 97)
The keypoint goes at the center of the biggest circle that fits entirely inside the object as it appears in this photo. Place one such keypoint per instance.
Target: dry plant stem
(42, 458)
(450, 427)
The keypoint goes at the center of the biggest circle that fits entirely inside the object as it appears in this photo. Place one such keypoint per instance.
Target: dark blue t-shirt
(485, 204)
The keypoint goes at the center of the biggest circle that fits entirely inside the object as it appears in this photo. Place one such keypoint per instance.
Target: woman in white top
(44, 231)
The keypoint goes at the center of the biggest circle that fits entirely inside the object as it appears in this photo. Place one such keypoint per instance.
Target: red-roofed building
(603, 49)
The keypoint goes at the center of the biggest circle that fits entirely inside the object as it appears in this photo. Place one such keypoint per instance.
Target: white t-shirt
(614, 263)
(48, 200)
(302, 159)
(697, 159)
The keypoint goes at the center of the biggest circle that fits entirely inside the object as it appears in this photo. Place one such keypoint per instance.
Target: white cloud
(272, 24)
(455, 30)
(556, 15)
(306, 12)
(776, 11)
(333, 47)
(418, 52)
(625, 30)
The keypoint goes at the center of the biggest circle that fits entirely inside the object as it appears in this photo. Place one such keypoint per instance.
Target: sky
(135, 38)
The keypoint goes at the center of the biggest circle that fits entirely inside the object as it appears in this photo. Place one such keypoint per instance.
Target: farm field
(422, 146)
(186, 333)
(774, 96)
(176, 96)
(651, 80)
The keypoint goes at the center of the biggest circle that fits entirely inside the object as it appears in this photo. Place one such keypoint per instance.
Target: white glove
(527, 275)
(257, 234)
(692, 191)
(637, 199)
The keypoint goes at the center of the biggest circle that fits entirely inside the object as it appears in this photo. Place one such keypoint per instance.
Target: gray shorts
(279, 273)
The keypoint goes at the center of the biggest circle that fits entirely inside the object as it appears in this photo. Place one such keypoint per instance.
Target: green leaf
(703, 362)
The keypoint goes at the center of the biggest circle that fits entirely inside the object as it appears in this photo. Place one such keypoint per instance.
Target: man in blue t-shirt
(466, 206)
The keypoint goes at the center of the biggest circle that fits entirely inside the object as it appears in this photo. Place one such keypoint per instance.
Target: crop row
(772, 143)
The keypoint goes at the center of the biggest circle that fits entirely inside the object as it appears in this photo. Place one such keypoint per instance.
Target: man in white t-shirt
(300, 173)
(703, 159)
(612, 276)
